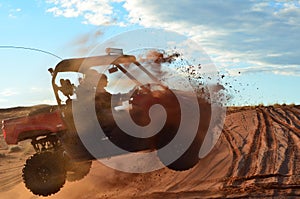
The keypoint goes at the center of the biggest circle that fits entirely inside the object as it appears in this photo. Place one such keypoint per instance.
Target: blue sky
(256, 44)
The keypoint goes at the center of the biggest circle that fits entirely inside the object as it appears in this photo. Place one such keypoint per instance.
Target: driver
(92, 87)
(103, 104)
(102, 97)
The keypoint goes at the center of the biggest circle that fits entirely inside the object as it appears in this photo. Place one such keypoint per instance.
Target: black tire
(190, 157)
(78, 170)
(186, 161)
(44, 173)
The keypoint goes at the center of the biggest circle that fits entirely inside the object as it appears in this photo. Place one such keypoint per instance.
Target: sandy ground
(257, 155)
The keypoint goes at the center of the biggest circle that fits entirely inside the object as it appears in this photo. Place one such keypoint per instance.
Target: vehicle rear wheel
(185, 161)
(44, 173)
(78, 170)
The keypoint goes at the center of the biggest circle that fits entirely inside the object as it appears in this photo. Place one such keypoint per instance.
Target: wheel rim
(43, 174)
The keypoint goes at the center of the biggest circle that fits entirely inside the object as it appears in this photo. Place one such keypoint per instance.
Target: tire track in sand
(247, 166)
(270, 152)
(270, 157)
(290, 164)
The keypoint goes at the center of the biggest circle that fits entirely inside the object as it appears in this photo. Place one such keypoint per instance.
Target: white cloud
(279, 70)
(96, 12)
(263, 33)
(14, 12)
(247, 30)
(8, 93)
(36, 89)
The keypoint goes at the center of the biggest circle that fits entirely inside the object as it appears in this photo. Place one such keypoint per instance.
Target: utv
(60, 152)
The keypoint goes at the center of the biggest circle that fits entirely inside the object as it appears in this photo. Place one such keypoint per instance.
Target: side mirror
(51, 71)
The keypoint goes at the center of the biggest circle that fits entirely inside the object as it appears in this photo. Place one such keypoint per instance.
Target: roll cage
(115, 59)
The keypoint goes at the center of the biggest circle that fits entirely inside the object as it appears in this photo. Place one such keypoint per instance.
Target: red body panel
(17, 129)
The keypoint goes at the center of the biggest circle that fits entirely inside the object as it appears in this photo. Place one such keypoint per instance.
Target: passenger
(67, 88)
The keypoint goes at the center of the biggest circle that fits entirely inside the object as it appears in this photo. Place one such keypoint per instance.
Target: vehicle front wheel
(44, 173)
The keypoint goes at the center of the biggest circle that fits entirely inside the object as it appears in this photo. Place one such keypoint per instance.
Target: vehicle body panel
(18, 129)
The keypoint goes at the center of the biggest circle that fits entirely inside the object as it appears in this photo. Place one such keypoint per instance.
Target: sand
(257, 155)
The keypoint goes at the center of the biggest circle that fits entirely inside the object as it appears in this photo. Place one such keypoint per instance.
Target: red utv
(60, 151)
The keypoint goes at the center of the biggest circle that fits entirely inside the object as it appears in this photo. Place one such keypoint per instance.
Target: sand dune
(257, 155)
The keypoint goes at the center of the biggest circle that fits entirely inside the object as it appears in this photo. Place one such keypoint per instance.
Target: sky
(255, 44)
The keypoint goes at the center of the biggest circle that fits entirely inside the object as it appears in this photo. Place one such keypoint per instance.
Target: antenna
(33, 49)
